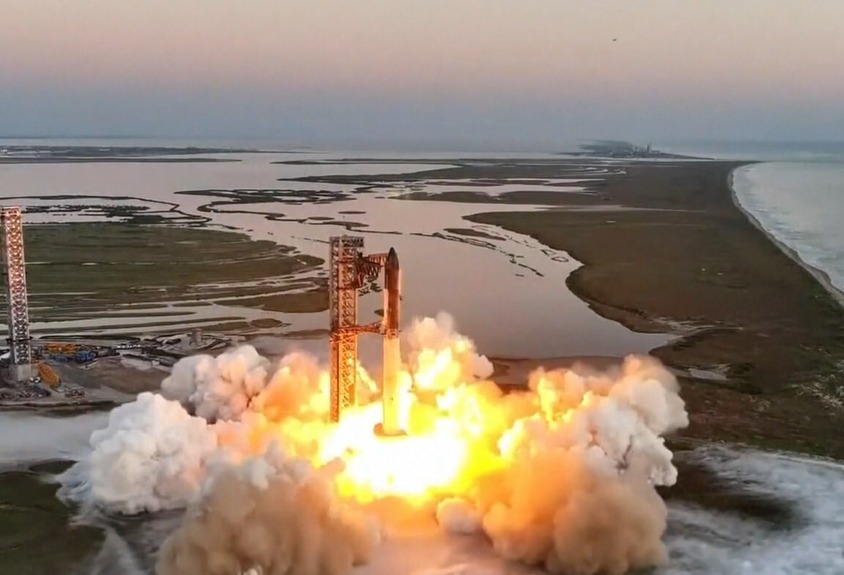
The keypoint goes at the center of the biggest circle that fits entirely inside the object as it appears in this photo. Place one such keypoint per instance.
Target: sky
(518, 74)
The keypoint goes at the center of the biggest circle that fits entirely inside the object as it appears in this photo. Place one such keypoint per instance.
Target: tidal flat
(113, 274)
(687, 256)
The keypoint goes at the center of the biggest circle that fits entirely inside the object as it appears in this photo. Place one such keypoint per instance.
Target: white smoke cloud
(434, 348)
(560, 476)
(577, 494)
(557, 513)
(218, 387)
(298, 387)
(151, 456)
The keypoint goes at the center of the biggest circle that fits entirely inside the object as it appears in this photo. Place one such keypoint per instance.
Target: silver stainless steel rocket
(391, 424)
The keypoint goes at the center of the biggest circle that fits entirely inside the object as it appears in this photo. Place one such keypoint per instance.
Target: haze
(483, 73)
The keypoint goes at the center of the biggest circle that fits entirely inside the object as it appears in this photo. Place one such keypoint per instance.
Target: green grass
(35, 535)
(109, 269)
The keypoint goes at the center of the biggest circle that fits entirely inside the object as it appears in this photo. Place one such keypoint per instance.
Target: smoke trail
(561, 475)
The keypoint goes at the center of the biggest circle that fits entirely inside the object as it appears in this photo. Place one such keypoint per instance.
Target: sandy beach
(821, 276)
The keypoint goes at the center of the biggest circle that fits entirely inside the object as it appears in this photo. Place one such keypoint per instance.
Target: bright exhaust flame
(560, 476)
(410, 467)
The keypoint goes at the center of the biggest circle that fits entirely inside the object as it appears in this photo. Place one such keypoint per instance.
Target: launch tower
(20, 353)
(349, 270)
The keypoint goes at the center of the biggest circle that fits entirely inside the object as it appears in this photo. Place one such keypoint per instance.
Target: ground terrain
(663, 248)
(692, 258)
(114, 269)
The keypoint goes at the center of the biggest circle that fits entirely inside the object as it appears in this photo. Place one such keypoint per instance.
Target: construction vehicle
(48, 375)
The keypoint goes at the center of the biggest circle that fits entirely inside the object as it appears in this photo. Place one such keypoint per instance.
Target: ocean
(796, 194)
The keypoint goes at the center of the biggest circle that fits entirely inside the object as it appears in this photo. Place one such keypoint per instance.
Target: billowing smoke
(218, 387)
(270, 515)
(151, 456)
(561, 475)
(576, 495)
(439, 357)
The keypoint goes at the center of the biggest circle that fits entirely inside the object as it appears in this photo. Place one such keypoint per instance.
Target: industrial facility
(35, 369)
(349, 270)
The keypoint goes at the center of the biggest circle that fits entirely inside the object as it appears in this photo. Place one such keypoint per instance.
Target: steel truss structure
(20, 359)
(349, 270)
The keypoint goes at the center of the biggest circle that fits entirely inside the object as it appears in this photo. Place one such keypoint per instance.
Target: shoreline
(690, 256)
(820, 275)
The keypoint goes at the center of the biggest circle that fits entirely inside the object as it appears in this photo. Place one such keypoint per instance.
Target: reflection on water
(509, 293)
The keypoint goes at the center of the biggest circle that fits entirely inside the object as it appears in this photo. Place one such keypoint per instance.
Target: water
(758, 151)
(707, 541)
(801, 204)
(796, 194)
(29, 438)
(469, 277)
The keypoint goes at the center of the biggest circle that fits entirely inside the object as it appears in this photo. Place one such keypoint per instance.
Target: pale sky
(518, 73)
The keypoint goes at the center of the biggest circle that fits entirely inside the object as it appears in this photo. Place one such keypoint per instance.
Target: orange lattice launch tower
(349, 270)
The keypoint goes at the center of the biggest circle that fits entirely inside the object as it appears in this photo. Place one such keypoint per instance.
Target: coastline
(820, 275)
(689, 257)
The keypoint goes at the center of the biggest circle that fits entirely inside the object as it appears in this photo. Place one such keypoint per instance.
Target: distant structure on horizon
(14, 266)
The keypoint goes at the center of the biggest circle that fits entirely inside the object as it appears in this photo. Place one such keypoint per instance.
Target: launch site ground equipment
(350, 270)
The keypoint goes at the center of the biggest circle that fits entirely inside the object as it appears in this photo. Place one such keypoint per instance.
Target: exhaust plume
(560, 475)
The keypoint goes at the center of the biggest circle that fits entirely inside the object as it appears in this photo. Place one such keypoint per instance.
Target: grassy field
(110, 269)
(35, 532)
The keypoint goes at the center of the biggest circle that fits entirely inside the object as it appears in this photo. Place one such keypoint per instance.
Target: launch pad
(350, 270)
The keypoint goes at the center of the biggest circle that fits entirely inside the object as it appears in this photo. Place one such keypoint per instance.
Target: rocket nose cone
(392, 258)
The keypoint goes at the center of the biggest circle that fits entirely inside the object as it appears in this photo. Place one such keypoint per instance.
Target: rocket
(391, 424)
